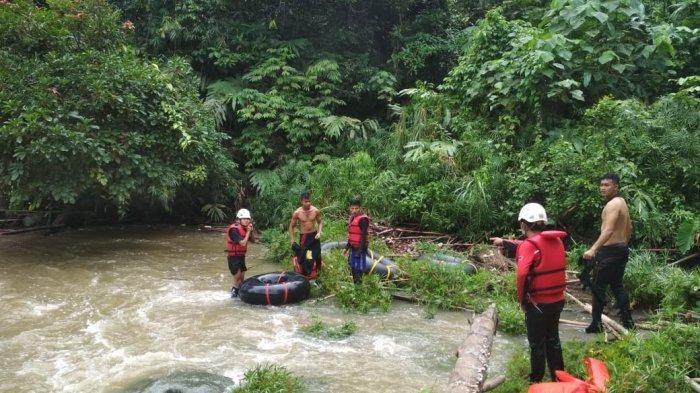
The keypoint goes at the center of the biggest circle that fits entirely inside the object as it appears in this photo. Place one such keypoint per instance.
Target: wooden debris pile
(402, 241)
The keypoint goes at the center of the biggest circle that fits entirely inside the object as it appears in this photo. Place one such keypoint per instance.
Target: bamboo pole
(470, 370)
(606, 320)
(694, 385)
(570, 322)
(646, 326)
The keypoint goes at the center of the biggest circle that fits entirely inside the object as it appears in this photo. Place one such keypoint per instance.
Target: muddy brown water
(109, 309)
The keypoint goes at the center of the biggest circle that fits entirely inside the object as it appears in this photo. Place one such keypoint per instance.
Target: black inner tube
(275, 288)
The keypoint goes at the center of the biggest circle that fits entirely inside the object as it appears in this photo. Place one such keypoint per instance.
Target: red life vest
(235, 248)
(354, 231)
(546, 278)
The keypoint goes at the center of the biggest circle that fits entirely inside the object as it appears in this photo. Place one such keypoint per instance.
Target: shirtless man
(309, 219)
(610, 253)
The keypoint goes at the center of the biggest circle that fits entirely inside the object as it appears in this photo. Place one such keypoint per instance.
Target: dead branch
(614, 326)
(570, 322)
(685, 259)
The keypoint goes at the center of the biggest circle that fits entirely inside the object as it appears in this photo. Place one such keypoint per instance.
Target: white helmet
(532, 212)
(243, 213)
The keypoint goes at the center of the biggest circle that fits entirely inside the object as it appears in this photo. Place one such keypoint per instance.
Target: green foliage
(370, 294)
(582, 50)
(280, 110)
(277, 246)
(320, 329)
(98, 124)
(502, 69)
(447, 288)
(518, 371)
(267, 378)
(279, 76)
(611, 45)
(215, 212)
(335, 182)
(653, 362)
(61, 25)
(688, 235)
(653, 283)
(622, 137)
(277, 192)
(277, 240)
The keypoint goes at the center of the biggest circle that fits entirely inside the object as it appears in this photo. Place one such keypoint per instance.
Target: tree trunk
(470, 371)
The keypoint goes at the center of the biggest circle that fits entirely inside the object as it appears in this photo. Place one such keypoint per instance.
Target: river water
(111, 309)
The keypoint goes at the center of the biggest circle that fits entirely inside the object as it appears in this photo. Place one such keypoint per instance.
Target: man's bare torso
(307, 219)
(621, 225)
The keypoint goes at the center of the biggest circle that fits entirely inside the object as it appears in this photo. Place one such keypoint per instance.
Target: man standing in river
(358, 239)
(238, 235)
(610, 253)
(308, 250)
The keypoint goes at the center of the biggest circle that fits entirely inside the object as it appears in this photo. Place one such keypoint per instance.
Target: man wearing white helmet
(540, 281)
(237, 236)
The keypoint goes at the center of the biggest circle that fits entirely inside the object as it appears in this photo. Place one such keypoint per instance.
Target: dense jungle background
(444, 115)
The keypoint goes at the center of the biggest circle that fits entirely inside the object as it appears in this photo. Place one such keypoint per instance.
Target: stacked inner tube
(275, 288)
(374, 263)
(449, 261)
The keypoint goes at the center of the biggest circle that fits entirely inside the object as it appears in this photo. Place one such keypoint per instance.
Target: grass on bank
(641, 363)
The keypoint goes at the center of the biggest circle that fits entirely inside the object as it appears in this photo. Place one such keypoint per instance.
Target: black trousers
(542, 322)
(610, 262)
(308, 242)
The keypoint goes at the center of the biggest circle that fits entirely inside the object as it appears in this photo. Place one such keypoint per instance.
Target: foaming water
(104, 309)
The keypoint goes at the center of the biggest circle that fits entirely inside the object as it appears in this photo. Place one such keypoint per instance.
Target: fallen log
(470, 371)
(614, 326)
(493, 383)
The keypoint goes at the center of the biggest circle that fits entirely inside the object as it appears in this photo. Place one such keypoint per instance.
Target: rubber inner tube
(332, 245)
(374, 263)
(275, 288)
(449, 261)
(380, 265)
(183, 381)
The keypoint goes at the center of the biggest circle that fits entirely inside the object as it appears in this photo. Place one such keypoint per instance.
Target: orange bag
(559, 387)
(598, 375)
(563, 376)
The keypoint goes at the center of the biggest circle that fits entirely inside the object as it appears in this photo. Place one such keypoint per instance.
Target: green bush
(320, 329)
(269, 378)
(86, 120)
(669, 290)
(645, 363)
